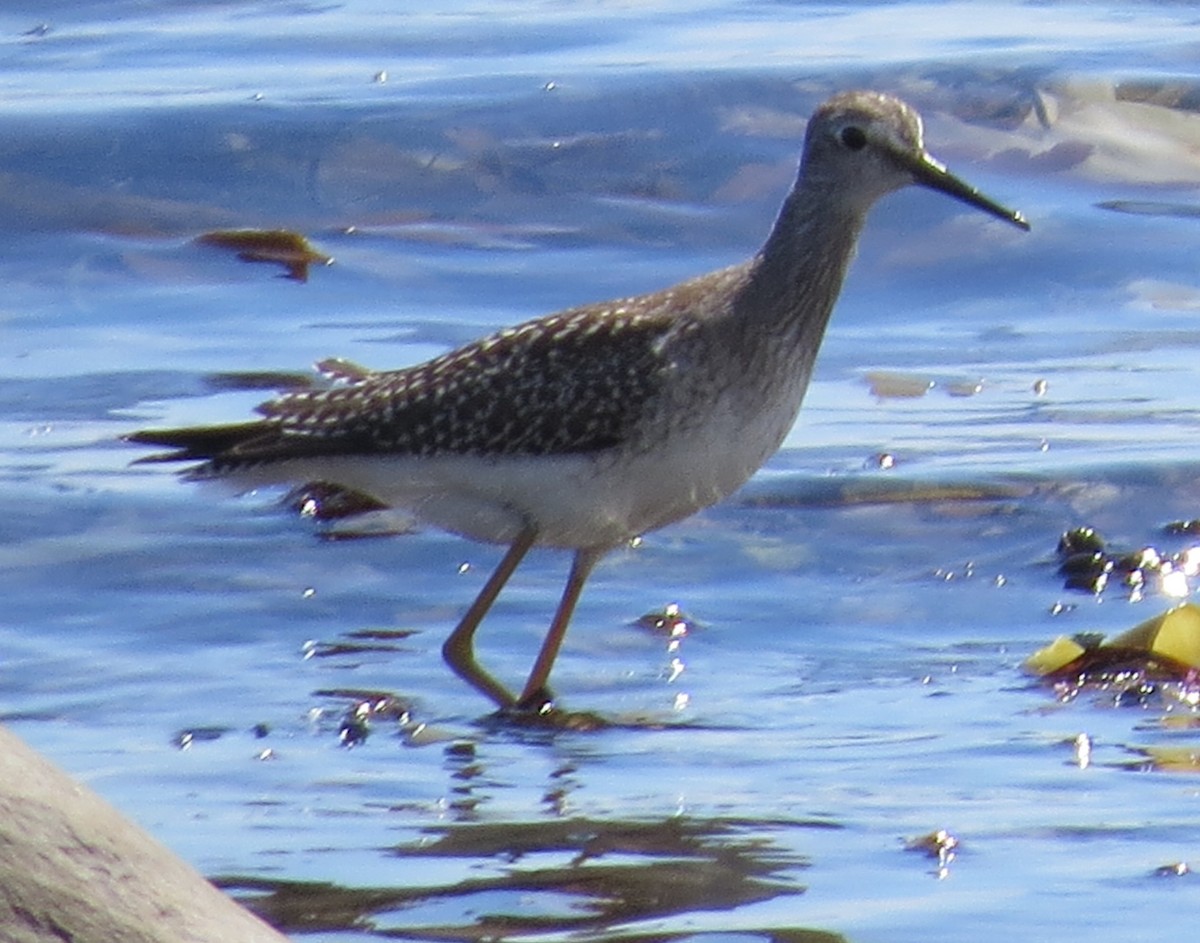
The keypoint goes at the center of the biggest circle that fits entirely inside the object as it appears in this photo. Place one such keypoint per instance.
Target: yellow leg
(459, 648)
(535, 688)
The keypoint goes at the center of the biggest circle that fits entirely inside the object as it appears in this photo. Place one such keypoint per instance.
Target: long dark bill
(929, 173)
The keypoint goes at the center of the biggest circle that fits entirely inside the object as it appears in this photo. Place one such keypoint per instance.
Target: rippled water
(852, 680)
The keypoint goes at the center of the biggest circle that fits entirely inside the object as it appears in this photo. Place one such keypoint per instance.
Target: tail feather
(194, 443)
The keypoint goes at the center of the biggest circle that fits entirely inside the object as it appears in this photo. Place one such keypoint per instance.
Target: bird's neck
(797, 275)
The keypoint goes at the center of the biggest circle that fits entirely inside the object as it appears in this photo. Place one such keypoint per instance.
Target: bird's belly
(596, 499)
(572, 501)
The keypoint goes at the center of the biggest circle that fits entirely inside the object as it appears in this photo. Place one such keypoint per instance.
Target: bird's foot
(540, 703)
(539, 710)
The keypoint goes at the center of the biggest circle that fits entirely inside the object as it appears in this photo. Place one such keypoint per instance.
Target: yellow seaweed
(1054, 657)
(1174, 634)
(281, 246)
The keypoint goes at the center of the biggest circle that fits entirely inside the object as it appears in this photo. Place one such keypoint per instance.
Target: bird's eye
(853, 138)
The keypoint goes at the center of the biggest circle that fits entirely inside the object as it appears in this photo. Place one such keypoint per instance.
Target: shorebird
(588, 427)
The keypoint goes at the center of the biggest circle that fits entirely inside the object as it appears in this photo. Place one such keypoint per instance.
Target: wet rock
(74, 869)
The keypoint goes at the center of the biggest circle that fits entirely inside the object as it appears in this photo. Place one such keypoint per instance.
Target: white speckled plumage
(587, 427)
